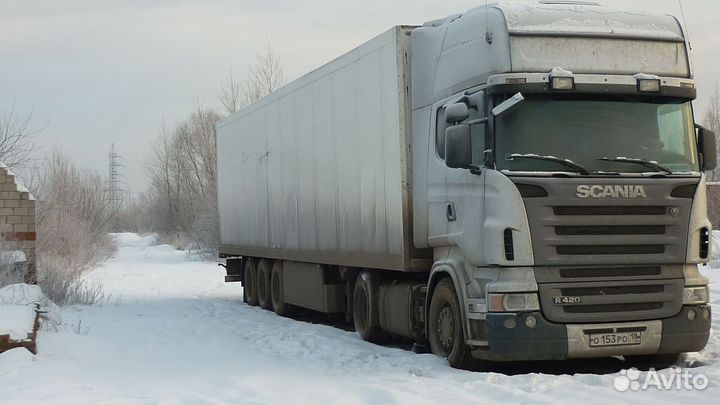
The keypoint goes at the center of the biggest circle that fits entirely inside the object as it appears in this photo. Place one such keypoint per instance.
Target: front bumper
(511, 339)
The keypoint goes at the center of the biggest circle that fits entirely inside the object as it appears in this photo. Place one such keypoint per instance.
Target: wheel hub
(445, 329)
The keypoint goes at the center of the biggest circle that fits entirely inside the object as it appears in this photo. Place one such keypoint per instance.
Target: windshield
(585, 130)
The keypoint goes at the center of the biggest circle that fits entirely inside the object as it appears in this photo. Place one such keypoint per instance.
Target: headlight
(513, 302)
(695, 295)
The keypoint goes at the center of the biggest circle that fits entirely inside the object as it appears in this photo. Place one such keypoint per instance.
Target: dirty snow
(560, 72)
(174, 332)
(645, 76)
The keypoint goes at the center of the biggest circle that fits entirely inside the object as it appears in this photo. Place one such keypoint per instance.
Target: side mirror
(508, 105)
(708, 148)
(458, 147)
(457, 112)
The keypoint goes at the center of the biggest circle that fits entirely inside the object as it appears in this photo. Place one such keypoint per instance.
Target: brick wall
(17, 220)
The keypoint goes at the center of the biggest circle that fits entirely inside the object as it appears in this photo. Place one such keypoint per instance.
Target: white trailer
(319, 170)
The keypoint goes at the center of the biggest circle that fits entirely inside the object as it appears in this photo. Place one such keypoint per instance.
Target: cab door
(455, 197)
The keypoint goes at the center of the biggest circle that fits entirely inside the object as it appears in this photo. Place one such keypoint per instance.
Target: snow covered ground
(173, 332)
(17, 310)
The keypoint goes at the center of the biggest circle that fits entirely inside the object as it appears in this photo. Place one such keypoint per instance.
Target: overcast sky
(98, 72)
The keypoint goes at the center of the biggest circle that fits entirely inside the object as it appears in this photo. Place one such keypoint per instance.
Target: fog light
(530, 321)
(509, 323)
(649, 85)
(692, 315)
(706, 314)
(562, 83)
(695, 295)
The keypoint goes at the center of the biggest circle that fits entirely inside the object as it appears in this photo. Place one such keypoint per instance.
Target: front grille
(610, 230)
(605, 272)
(569, 230)
(623, 289)
(611, 250)
(609, 210)
(597, 309)
(611, 301)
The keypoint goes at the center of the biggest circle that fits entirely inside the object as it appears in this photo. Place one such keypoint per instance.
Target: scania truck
(523, 181)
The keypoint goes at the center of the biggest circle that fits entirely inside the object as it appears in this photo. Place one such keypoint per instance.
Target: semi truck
(523, 181)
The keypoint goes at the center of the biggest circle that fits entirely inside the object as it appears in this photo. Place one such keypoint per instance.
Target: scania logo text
(617, 191)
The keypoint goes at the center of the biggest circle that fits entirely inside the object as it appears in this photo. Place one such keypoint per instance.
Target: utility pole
(115, 193)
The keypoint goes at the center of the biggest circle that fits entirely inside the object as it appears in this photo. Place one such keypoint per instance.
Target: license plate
(615, 339)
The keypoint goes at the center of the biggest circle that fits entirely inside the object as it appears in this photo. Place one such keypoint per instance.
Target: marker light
(515, 80)
(562, 83)
(649, 85)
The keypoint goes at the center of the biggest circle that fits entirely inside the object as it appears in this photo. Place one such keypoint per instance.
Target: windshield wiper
(565, 162)
(651, 164)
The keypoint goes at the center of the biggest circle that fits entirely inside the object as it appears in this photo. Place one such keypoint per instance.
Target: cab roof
(573, 18)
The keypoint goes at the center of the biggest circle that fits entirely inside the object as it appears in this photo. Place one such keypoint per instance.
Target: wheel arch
(451, 270)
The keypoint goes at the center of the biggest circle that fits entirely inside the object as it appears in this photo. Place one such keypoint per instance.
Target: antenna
(115, 193)
(488, 34)
(687, 32)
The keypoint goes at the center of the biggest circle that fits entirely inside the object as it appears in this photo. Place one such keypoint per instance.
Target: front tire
(263, 284)
(445, 331)
(250, 284)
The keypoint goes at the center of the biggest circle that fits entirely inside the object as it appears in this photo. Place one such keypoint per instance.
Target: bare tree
(711, 119)
(181, 202)
(230, 94)
(264, 77)
(16, 135)
(74, 218)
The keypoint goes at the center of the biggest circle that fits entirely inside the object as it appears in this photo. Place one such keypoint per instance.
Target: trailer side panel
(318, 171)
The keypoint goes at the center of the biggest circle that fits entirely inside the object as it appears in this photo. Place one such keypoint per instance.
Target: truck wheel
(365, 309)
(445, 330)
(657, 361)
(277, 293)
(249, 283)
(263, 283)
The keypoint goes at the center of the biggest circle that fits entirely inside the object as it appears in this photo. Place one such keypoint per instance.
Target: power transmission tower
(115, 193)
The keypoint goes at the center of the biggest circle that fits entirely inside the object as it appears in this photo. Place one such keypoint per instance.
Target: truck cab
(558, 179)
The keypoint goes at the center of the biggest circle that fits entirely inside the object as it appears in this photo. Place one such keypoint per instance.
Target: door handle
(450, 212)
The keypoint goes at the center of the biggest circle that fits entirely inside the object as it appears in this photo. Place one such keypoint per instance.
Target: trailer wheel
(249, 283)
(277, 293)
(365, 309)
(263, 283)
(445, 330)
